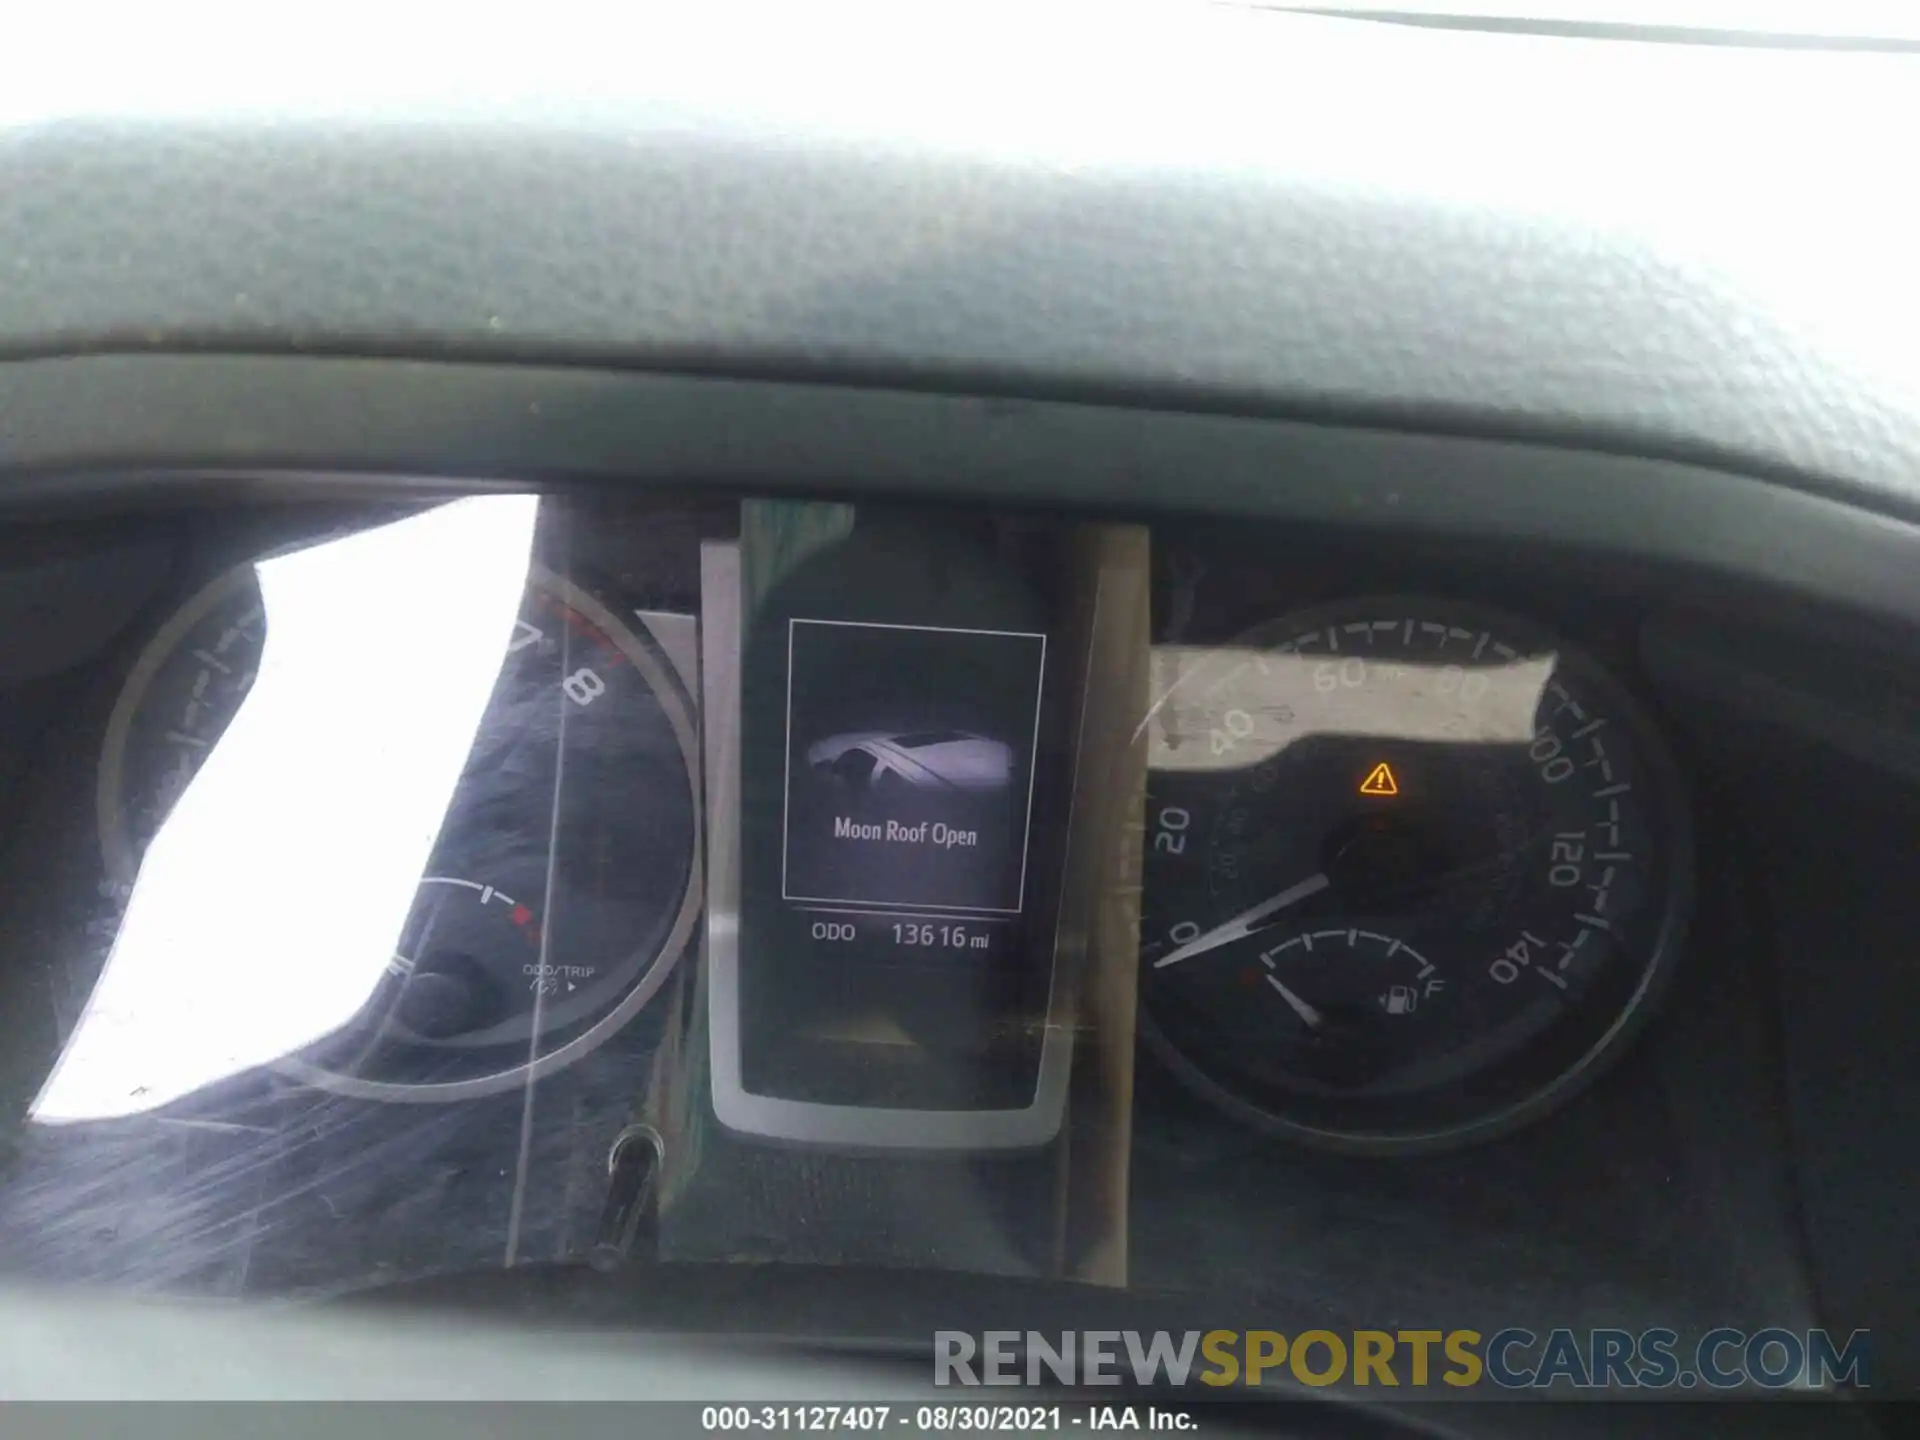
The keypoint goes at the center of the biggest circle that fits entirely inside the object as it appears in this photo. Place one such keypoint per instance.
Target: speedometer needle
(1243, 924)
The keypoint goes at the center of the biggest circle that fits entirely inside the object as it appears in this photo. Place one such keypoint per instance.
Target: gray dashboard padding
(56, 1343)
(1692, 252)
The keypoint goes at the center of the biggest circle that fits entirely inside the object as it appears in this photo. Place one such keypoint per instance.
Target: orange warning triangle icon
(1380, 781)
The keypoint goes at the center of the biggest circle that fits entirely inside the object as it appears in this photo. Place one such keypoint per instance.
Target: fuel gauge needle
(1243, 924)
(1300, 1007)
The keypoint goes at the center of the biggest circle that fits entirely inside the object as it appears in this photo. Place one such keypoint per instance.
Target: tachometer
(565, 881)
(1414, 870)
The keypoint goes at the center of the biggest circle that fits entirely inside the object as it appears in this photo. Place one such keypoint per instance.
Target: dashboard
(418, 887)
(841, 708)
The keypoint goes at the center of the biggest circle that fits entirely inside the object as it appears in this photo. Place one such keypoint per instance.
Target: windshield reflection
(270, 901)
(1264, 701)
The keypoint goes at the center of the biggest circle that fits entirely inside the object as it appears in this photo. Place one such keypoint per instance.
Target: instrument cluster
(848, 825)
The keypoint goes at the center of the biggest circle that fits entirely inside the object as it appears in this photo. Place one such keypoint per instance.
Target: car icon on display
(923, 759)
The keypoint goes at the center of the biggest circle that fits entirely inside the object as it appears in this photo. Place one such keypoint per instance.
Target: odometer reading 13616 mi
(1414, 869)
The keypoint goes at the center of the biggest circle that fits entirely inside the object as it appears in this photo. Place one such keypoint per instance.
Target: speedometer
(1414, 871)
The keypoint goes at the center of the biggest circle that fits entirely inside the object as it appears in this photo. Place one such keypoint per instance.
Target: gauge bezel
(1576, 1054)
(670, 690)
